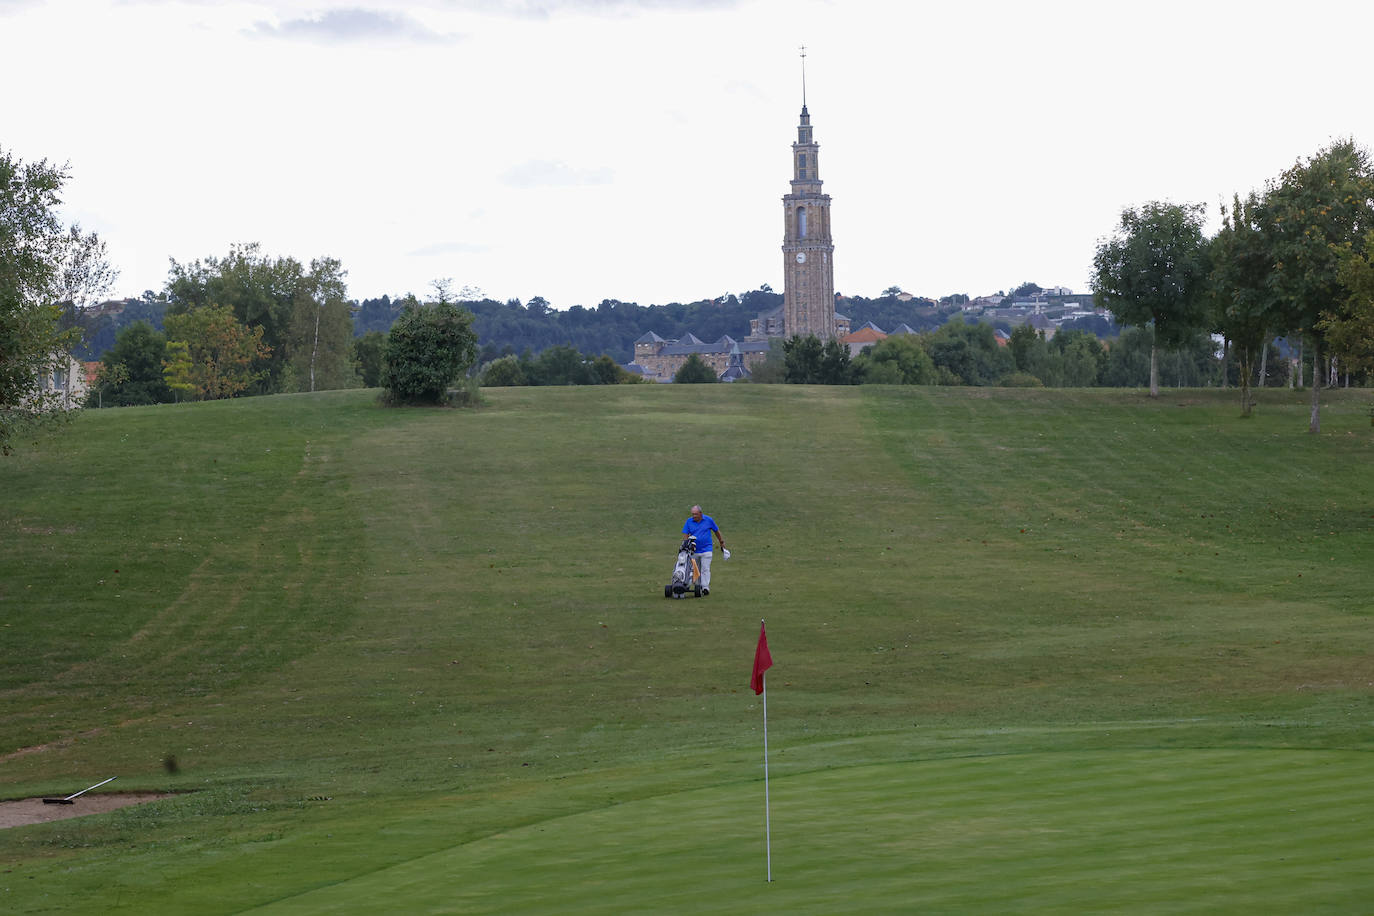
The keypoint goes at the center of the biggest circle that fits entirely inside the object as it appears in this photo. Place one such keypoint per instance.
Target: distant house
(866, 336)
(63, 382)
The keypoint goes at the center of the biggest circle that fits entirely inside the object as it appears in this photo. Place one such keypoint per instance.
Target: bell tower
(808, 298)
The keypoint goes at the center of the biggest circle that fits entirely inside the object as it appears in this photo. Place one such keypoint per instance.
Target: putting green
(1149, 831)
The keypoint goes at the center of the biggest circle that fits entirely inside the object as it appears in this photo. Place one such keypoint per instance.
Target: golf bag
(686, 574)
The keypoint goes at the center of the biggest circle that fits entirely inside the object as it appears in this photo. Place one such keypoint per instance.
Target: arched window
(801, 222)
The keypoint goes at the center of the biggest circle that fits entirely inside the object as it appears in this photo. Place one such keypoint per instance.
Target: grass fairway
(1035, 650)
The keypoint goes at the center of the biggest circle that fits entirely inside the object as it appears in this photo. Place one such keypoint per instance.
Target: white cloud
(354, 25)
(546, 9)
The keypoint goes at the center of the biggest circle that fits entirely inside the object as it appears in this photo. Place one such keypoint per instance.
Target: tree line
(971, 354)
(1293, 259)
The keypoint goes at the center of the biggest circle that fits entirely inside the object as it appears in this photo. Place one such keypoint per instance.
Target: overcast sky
(639, 149)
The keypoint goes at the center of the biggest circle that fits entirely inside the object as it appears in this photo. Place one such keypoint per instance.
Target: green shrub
(427, 348)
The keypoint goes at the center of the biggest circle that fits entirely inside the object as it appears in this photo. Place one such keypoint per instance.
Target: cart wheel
(696, 591)
(667, 591)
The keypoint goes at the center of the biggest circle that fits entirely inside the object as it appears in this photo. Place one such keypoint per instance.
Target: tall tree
(321, 329)
(1151, 271)
(1318, 210)
(1240, 286)
(33, 250)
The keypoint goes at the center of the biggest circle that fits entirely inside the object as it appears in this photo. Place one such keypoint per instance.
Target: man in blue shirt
(703, 526)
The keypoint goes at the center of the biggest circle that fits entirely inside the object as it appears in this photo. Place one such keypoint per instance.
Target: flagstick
(767, 815)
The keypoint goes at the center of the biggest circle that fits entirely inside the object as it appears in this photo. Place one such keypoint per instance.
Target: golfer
(703, 526)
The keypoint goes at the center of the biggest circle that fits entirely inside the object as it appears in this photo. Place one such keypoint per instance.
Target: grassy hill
(1066, 650)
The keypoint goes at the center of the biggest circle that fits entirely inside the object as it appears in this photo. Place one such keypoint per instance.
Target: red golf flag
(762, 661)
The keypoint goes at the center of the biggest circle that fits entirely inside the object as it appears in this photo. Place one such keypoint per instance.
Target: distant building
(865, 336)
(63, 382)
(659, 359)
(735, 371)
(808, 298)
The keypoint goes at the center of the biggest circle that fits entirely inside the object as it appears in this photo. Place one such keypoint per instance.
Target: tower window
(801, 160)
(801, 222)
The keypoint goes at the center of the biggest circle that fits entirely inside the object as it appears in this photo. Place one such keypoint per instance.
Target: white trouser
(704, 562)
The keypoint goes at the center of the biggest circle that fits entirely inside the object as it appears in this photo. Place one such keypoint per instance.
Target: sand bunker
(25, 811)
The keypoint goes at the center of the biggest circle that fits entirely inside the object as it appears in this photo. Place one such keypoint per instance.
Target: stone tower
(808, 298)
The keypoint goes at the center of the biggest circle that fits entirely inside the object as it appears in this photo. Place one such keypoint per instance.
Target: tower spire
(803, 65)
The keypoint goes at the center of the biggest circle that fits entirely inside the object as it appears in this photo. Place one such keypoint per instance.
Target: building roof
(724, 345)
(734, 373)
(650, 337)
(903, 328)
(865, 334)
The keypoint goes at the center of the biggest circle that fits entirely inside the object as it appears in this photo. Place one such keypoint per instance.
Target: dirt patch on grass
(24, 811)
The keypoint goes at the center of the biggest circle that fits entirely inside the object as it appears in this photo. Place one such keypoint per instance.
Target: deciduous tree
(896, 360)
(694, 371)
(1240, 286)
(1081, 358)
(1151, 272)
(33, 245)
(321, 330)
(131, 370)
(1317, 211)
(802, 356)
(367, 357)
(968, 354)
(504, 372)
(260, 291)
(225, 354)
